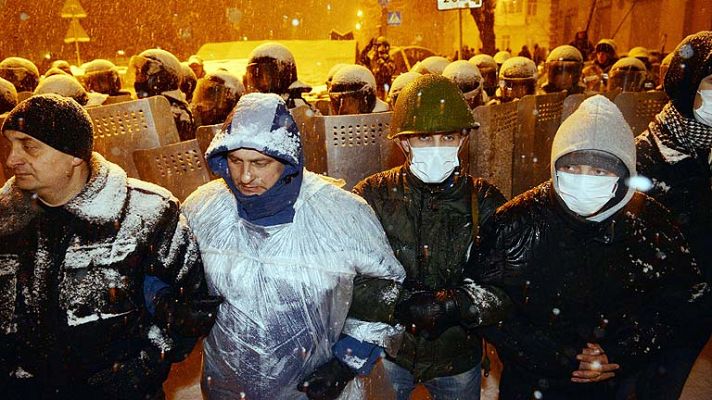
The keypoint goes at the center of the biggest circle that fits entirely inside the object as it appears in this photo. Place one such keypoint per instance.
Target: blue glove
(359, 356)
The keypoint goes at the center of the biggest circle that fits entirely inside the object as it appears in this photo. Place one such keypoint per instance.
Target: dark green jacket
(430, 230)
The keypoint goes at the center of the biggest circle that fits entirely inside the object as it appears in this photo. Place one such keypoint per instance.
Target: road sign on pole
(444, 5)
(394, 18)
(72, 9)
(76, 33)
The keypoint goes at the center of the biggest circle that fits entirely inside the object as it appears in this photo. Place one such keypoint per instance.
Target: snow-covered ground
(183, 383)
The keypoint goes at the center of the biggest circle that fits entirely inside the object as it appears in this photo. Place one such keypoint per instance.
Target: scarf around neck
(681, 133)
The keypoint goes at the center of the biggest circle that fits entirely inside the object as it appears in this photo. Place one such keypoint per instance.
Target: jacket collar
(451, 185)
(104, 195)
(101, 200)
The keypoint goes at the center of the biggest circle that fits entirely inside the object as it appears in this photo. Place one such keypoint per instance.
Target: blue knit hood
(262, 122)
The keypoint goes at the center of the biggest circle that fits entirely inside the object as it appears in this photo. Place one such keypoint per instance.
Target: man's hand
(593, 366)
(429, 313)
(328, 381)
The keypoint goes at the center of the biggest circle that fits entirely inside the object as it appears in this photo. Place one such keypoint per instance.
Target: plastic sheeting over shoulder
(287, 288)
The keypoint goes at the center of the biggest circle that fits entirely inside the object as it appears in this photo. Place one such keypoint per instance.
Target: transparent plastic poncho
(287, 288)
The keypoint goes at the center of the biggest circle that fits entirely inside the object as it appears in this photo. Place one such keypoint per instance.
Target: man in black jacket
(431, 212)
(98, 272)
(675, 154)
(599, 276)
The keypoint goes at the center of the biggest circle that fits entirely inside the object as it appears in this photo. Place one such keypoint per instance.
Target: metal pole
(623, 20)
(76, 41)
(459, 19)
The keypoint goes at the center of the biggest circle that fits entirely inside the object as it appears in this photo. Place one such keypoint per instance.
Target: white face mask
(703, 114)
(586, 194)
(433, 164)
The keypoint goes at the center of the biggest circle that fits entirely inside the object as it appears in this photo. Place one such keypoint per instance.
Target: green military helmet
(431, 104)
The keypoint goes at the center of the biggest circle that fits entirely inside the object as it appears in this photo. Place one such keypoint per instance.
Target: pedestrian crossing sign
(394, 18)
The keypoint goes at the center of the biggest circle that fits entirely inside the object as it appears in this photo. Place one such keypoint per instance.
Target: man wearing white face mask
(431, 213)
(599, 276)
(675, 154)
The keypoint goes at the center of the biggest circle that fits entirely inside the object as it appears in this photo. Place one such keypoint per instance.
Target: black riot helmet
(21, 72)
(102, 76)
(563, 69)
(215, 96)
(270, 69)
(154, 72)
(628, 74)
(352, 91)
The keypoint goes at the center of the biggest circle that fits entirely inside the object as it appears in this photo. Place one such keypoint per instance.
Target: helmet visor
(262, 77)
(23, 80)
(215, 95)
(516, 88)
(563, 75)
(106, 82)
(350, 102)
(627, 80)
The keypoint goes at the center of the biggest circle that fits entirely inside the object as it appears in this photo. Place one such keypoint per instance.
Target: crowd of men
(588, 287)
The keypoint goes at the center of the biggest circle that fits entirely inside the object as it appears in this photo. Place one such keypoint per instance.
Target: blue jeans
(464, 386)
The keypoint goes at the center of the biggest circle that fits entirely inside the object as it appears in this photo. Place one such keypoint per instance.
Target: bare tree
(484, 18)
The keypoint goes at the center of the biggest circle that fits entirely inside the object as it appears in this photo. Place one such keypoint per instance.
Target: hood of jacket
(262, 122)
(690, 64)
(596, 125)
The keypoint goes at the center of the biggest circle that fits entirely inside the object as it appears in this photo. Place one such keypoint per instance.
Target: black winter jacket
(685, 188)
(627, 283)
(72, 309)
(430, 230)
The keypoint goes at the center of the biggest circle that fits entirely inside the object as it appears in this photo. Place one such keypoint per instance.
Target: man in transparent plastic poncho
(282, 245)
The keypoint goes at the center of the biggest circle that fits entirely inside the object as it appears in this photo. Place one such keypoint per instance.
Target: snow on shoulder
(353, 74)
(276, 51)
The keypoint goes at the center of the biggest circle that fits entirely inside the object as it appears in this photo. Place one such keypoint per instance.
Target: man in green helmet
(431, 213)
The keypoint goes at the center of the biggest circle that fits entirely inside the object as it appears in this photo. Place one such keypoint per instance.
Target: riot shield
(349, 147)
(491, 147)
(205, 134)
(640, 108)
(178, 167)
(571, 103)
(121, 98)
(547, 118)
(121, 128)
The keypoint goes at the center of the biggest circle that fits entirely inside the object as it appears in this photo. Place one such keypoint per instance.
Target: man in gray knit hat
(600, 278)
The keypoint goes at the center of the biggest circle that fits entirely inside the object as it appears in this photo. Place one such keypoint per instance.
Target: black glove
(429, 313)
(132, 379)
(186, 317)
(328, 381)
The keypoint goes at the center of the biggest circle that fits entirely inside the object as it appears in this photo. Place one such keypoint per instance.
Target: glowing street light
(358, 26)
(359, 13)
